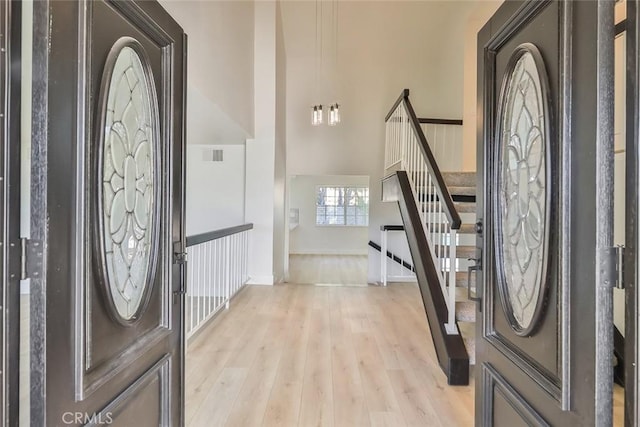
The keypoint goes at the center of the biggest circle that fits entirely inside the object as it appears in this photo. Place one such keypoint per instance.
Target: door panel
(536, 350)
(104, 356)
(113, 202)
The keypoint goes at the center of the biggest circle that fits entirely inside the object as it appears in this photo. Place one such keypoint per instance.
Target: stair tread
(462, 251)
(461, 207)
(467, 229)
(462, 191)
(465, 311)
(464, 228)
(468, 332)
(462, 277)
(460, 179)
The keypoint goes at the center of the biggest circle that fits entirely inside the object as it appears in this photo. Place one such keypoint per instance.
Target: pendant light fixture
(317, 113)
(334, 114)
(316, 110)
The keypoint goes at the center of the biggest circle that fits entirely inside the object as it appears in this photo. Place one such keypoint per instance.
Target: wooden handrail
(450, 350)
(392, 256)
(431, 121)
(217, 234)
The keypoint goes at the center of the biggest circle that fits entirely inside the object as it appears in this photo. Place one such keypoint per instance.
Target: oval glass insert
(523, 207)
(128, 169)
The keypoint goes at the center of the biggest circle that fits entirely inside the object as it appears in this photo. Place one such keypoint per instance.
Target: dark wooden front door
(545, 156)
(107, 191)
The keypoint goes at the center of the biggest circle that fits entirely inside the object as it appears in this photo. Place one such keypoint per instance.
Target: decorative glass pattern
(128, 182)
(523, 206)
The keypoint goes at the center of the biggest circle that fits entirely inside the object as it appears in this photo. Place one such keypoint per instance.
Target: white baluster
(451, 326)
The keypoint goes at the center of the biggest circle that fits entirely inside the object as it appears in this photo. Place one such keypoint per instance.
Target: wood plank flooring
(328, 269)
(303, 355)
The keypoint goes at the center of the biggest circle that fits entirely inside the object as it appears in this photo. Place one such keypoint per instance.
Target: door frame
(631, 273)
(10, 268)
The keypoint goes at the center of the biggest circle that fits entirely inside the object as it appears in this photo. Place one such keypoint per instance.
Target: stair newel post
(451, 324)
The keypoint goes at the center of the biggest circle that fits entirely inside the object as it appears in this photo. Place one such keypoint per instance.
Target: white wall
(280, 228)
(220, 107)
(383, 47)
(619, 225)
(481, 14)
(220, 55)
(215, 190)
(262, 151)
(307, 237)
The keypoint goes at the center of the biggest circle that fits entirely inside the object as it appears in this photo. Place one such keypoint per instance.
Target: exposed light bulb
(320, 114)
(332, 116)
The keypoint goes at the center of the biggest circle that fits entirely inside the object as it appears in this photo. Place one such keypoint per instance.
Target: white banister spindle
(452, 282)
(383, 257)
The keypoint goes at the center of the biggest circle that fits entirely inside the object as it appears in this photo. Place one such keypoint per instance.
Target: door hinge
(180, 259)
(612, 266)
(179, 255)
(620, 267)
(31, 259)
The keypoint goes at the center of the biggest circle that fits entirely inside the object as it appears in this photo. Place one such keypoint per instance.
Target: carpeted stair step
(462, 278)
(460, 179)
(462, 251)
(465, 311)
(462, 191)
(464, 229)
(467, 229)
(468, 332)
(461, 207)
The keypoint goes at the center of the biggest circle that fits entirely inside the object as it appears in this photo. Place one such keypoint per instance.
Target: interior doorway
(328, 229)
(619, 223)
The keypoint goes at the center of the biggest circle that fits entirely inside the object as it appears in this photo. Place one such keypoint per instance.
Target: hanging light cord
(316, 54)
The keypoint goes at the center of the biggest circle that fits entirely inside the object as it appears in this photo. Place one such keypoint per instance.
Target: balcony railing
(216, 271)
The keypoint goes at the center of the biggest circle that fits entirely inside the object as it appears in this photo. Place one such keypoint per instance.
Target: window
(347, 206)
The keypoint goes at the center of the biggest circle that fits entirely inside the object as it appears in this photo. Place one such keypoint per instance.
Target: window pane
(342, 206)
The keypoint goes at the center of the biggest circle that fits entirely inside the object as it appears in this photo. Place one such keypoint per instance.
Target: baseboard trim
(330, 252)
(260, 280)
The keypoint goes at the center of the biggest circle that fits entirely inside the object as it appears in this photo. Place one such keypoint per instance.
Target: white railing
(407, 149)
(393, 270)
(445, 141)
(216, 271)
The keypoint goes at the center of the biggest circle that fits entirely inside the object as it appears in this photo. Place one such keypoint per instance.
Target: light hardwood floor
(328, 269)
(296, 355)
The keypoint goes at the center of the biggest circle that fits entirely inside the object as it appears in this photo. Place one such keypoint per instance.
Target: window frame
(344, 213)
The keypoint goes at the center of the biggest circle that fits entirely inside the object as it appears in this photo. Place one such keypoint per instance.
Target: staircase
(462, 187)
(439, 212)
